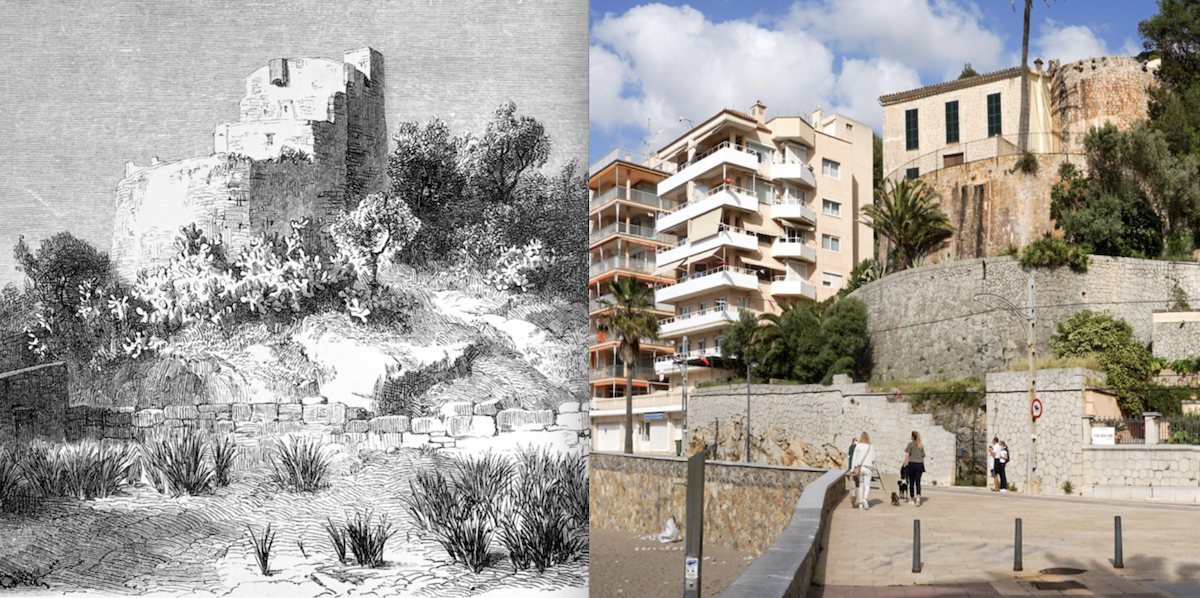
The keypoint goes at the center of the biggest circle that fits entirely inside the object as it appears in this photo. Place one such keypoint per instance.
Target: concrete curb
(785, 569)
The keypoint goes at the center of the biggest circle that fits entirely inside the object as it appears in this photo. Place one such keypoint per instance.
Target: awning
(762, 230)
(765, 262)
(700, 257)
(663, 269)
(704, 225)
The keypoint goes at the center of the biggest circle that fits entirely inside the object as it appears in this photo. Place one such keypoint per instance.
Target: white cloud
(936, 36)
(1067, 44)
(688, 66)
(1131, 47)
(861, 82)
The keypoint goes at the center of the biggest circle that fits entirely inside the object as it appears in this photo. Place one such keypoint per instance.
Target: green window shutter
(993, 115)
(910, 129)
(952, 122)
(912, 173)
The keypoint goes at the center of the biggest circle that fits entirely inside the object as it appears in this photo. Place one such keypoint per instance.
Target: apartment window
(830, 169)
(765, 154)
(795, 235)
(717, 344)
(952, 122)
(703, 345)
(831, 243)
(912, 173)
(685, 312)
(687, 347)
(741, 302)
(910, 129)
(830, 280)
(993, 114)
(702, 306)
(831, 208)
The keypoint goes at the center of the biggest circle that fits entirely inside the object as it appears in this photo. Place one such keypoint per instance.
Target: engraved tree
(380, 225)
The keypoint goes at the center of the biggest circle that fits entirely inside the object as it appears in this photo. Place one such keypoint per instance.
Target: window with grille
(993, 114)
(952, 122)
(910, 129)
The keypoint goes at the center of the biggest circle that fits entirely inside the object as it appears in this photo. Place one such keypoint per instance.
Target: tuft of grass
(262, 548)
(337, 537)
(367, 541)
(224, 452)
(462, 526)
(84, 470)
(300, 465)
(538, 528)
(176, 464)
(1068, 488)
(10, 477)
(481, 479)
(1090, 361)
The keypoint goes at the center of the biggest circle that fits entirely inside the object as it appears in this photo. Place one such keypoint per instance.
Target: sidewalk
(967, 543)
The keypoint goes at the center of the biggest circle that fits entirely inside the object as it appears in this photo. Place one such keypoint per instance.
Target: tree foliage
(737, 342)
(58, 274)
(908, 215)
(377, 228)
(1128, 363)
(628, 316)
(812, 342)
(967, 72)
(1051, 252)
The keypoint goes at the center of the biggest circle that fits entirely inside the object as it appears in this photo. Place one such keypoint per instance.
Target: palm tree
(908, 215)
(632, 321)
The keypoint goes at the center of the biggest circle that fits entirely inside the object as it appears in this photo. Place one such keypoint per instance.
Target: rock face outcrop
(311, 141)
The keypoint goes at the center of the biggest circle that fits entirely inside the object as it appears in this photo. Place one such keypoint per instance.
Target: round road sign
(1036, 408)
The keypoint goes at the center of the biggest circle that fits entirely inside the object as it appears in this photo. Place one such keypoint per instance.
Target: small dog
(895, 499)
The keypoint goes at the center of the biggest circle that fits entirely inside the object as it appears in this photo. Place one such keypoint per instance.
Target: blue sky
(659, 62)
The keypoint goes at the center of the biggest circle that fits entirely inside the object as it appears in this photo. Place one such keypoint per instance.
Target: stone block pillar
(1087, 429)
(1152, 426)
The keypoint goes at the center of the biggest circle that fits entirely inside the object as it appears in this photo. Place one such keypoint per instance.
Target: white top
(995, 449)
(864, 456)
(1003, 454)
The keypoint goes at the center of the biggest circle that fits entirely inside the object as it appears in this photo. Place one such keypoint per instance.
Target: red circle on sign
(1036, 408)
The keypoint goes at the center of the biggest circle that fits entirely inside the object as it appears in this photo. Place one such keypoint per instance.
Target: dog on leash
(895, 499)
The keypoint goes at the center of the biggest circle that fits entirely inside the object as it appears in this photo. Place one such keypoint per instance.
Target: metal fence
(1126, 430)
(1179, 430)
(981, 149)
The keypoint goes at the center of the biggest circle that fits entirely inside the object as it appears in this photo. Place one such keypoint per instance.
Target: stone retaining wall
(924, 323)
(1176, 335)
(334, 423)
(812, 426)
(746, 506)
(33, 402)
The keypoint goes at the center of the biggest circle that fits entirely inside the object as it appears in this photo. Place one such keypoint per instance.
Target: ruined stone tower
(311, 141)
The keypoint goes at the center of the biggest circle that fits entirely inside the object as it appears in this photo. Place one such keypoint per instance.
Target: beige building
(753, 214)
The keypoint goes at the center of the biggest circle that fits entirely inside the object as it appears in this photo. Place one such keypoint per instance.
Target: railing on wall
(1126, 430)
(996, 146)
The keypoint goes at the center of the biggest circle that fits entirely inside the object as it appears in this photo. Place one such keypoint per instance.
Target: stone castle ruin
(311, 141)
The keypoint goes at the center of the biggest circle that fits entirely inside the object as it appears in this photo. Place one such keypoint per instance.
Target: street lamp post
(1031, 487)
(681, 362)
(749, 363)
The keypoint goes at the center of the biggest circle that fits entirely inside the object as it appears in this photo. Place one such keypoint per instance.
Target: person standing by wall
(850, 470)
(864, 462)
(1001, 461)
(914, 459)
(994, 454)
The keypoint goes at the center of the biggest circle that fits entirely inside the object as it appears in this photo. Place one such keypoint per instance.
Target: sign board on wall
(1104, 435)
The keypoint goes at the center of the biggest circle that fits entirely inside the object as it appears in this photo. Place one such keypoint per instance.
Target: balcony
(794, 210)
(727, 236)
(793, 249)
(632, 230)
(722, 277)
(628, 155)
(796, 172)
(618, 371)
(647, 199)
(646, 344)
(713, 318)
(782, 287)
(621, 262)
(724, 153)
(669, 364)
(594, 305)
(722, 196)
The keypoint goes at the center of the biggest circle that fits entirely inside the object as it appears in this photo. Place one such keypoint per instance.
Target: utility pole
(1031, 486)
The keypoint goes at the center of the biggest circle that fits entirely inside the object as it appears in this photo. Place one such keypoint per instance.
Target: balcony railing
(701, 197)
(721, 228)
(645, 342)
(618, 371)
(717, 148)
(633, 230)
(719, 269)
(981, 149)
(643, 197)
(594, 304)
(621, 263)
(628, 155)
(720, 307)
(693, 354)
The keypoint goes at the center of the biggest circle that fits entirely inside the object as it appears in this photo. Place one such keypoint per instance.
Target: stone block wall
(33, 403)
(924, 324)
(1059, 429)
(812, 426)
(745, 506)
(1176, 335)
(1089, 93)
(1108, 467)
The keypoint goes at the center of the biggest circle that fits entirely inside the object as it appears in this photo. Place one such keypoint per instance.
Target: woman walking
(864, 462)
(914, 456)
(850, 469)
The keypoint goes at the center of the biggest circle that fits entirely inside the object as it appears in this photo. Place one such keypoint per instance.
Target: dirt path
(631, 566)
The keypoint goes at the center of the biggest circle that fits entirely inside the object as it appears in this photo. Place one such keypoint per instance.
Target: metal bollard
(916, 546)
(1017, 549)
(1119, 557)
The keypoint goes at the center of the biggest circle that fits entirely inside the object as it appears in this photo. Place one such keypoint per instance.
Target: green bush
(1068, 488)
(1011, 250)
(1050, 252)
(1027, 163)
(1128, 363)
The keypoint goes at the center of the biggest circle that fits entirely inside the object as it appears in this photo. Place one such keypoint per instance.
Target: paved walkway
(967, 544)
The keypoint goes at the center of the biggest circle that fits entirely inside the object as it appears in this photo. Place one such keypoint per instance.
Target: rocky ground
(142, 543)
(629, 565)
